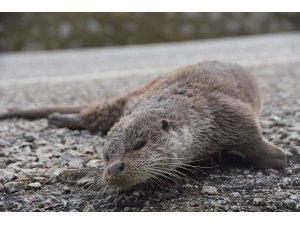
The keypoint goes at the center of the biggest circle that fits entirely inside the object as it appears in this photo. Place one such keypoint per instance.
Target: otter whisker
(193, 166)
(183, 158)
(153, 179)
(184, 167)
(167, 172)
(152, 174)
(155, 173)
(97, 184)
(179, 174)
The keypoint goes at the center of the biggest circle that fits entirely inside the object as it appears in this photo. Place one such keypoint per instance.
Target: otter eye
(165, 125)
(139, 144)
(106, 157)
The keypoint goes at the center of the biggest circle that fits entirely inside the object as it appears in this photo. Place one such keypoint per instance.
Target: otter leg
(102, 117)
(93, 118)
(263, 154)
(258, 149)
(71, 121)
(240, 131)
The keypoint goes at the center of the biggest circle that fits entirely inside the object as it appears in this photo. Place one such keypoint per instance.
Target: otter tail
(33, 114)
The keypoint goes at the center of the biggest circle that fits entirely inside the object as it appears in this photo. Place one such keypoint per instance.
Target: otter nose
(115, 169)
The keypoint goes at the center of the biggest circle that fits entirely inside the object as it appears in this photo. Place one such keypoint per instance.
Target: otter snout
(115, 169)
(114, 174)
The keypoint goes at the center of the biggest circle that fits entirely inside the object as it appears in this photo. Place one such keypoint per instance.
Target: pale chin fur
(180, 142)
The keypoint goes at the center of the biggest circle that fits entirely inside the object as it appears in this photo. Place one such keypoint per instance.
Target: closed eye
(106, 157)
(139, 144)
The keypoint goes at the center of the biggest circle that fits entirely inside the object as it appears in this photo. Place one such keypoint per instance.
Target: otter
(185, 115)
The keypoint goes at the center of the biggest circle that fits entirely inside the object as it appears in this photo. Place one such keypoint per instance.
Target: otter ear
(165, 125)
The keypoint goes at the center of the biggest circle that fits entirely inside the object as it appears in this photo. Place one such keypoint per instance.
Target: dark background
(38, 31)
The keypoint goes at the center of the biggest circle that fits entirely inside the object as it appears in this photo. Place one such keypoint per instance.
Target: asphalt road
(29, 149)
(117, 61)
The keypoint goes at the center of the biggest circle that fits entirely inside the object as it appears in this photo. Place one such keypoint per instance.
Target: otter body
(188, 114)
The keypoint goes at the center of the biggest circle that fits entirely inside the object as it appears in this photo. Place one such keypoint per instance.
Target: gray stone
(89, 150)
(290, 203)
(4, 143)
(94, 163)
(257, 201)
(89, 208)
(29, 137)
(296, 168)
(211, 190)
(11, 187)
(235, 194)
(85, 180)
(35, 185)
(286, 181)
(278, 194)
(126, 209)
(40, 179)
(66, 189)
(294, 197)
(16, 206)
(41, 142)
(235, 208)
(246, 172)
(6, 176)
(136, 193)
(295, 181)
(1, 187)
(275, 118)
(288, 171)
(272, 171)
(188, 186)
(194, 203)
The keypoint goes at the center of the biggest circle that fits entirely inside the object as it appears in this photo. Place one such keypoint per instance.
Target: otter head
(141, 147)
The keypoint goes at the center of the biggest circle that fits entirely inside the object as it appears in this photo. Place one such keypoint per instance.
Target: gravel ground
(33, 155)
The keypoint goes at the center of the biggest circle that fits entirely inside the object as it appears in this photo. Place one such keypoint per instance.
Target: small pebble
(235, 194)
(286, 181)
(12, 186)
(257, 201)
(246, 172)
(126, 209)
(275, 118)
(94, 163)
(89, 208)
(294, 197)
(194, 203)
(89, 150)
(187, 186)
(66, 189)
(1, 187)
(4, 143)
(211, 190)
(29, 138)
(296, 181)
(6, 176)
(296, 168)
(35, 185)
(136, 193)
(235, 208)
(40, 179)
(290, 203)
